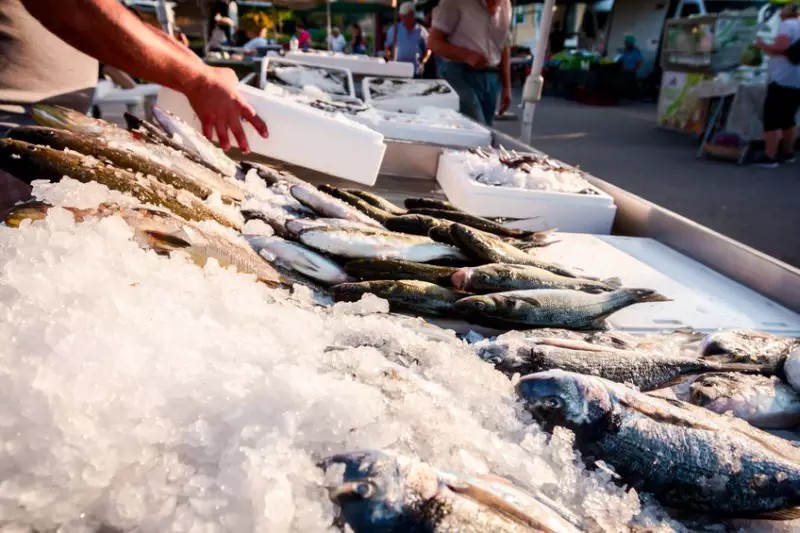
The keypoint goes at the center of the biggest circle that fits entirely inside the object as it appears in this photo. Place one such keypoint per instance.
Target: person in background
(219, 33)
(358, 44)
(255, 28)
(303, 37)
(473, 36)
(630, 55)
(783, 93)
(336, 41)
(410, 40)
(233, 16)
(430, 70)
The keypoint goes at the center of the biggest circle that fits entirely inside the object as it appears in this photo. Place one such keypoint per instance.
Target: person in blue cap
(630, 56)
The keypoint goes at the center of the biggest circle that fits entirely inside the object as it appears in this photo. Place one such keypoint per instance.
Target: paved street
(622, 145)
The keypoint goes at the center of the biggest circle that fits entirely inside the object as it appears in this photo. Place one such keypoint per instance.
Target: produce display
(194, 343)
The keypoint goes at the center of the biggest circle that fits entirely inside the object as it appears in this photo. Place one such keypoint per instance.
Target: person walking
(783, 93)
(409, 39)
(336, 41)
(473, 36)
(358, 44)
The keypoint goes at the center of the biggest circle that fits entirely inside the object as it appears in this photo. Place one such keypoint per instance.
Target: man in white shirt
(783, 92)
(336, 41)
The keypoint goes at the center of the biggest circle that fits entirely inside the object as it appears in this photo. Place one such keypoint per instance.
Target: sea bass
(764, 402)
(555, 308)
(472, 221)
(395, 269)
(297, 226)
(381, 491)
(328, 206)
(743, 345)
(377, 201)
(412, 296)
(365, 207)
(429, 203)
(498, 277)
(299, 258)
(686, 456)
(378, 245)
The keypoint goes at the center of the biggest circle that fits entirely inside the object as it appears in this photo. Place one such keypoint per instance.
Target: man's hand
(760, 44)
(505, 100)
(475, 60)
(215, 97)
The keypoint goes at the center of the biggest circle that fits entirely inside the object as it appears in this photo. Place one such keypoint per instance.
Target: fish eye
(365, 490)
(479, 305)
(552, 403)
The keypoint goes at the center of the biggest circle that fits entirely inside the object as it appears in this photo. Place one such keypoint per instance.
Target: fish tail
(614, 282)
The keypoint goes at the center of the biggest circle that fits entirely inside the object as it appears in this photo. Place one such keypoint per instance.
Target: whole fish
(271, 176)
(368, 209)
(472, 221)
(646, 371)
(403, 295)
(378, 245)
(491, 249)
(297, 226)
(377, 201)
(194, 142)
(559, 308)
(764, 402)
(497, 277)
(326, 205)
(743, 345)
(429, 203)
(688, 457)
(421, 225)
(299, 258)
(29, 162)
(381, 491)
(88, 145)
(395, 269)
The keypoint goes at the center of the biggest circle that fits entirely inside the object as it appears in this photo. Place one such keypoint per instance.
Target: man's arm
(437, 42)
(781, 44)
(505, 80)
(104, 29)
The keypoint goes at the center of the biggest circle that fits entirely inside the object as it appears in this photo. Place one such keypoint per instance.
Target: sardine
(559, 308)
(429, 203)
(378, 245)
(29, 162)
(497, 277)
(646, 371)
(491, 249)
(686, 456)
(363, 206)
(298, 257)
(748, 346)
(410, 296)
(472, 221)
(377, 201)
(380, 491)
(764, 402)
(326, 205)
(394, 269)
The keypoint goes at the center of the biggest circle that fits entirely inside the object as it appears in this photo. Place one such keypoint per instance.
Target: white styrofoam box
(580, 213)
(301, 135)
(703, 299)
(448, 129)
(409, 103)
(279, 61)
(360, 65)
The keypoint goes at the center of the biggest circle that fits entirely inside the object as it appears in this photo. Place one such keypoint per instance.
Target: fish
(377, 201)
(114, 137)
(368, 209)
(296, 226)
(491, 249)
(435, 228)
(194, 142)
(412, 296)
(791, 369)
(743, 345)
(299, 258)
(391, 493)
(472, 221)
(559, 308)
(29, 162)
(378, 245)
(429, 203)
(326, 205)
(686, 456)
(395, 269)
(165, 233)
(764, 402)
(498, 277)
(272, 176)
(646, 371)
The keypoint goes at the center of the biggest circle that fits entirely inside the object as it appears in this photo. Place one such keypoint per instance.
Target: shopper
(303, 36)
(255, 28)
(473, 35)
(630, 55)
(783, 93)
(336, 41)
(358, 44)
(409, 39)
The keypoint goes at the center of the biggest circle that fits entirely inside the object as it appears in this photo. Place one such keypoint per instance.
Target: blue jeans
(477, 90)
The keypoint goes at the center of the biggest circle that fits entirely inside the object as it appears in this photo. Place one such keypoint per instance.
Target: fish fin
(614, 282)
(494, 502)
(170, 242)
(792, 513)
(742, 368)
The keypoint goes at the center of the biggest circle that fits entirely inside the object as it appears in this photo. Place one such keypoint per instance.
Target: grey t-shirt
(469, 25)
(37, 66)
(780, 69)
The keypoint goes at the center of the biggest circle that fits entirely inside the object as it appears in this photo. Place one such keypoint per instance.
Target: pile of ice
(428, 117)
(382, 88)
(544, 174)
(142, 392)
(300, 76)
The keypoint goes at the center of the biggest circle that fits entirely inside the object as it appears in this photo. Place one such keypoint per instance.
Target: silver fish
(412, 296)
(297, 226)
(743, 345)
(299, 258)
(326, 205)
(497, 277)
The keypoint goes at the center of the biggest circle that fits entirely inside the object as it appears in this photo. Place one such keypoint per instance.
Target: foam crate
(703, 299)
(410, 104)
(394, 126)
(359, 65)
(580, 213)
(302, 136)
(279, 61)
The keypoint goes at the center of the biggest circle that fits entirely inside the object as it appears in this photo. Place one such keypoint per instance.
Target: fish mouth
(460, 278)
(649, 295)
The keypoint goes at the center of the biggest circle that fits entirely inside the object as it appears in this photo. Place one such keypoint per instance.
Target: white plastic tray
(703, 299)
(580, 213)
(395, 126)
(301, 135)
(279, 61)
(410, 104)
(357, 64)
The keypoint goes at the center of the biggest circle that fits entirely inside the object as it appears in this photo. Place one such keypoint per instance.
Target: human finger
(238, 133)
(249, 114)
(221, 126)
(208, 128)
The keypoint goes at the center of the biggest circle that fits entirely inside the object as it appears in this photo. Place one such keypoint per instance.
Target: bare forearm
(105, 30)
(505, 68)
(444, 49)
